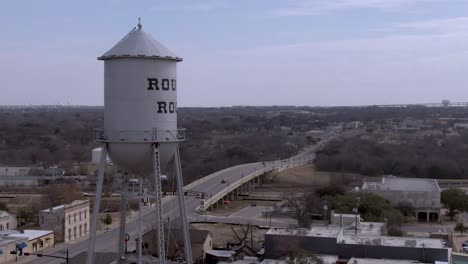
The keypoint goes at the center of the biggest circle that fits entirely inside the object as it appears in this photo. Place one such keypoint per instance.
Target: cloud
(317, 7)
(457, 24)
(198, 5)
(377, 70)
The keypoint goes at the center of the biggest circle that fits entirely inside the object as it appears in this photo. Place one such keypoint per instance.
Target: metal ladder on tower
(158, 202)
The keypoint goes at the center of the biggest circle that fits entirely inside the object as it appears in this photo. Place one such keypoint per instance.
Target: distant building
(14, 171)
(460, 125)
(37, 240)
(369, 243)
(7, 221)
(353, 125)
(422, 194)
(8, 244)
(69, 221)
(345, 220)
(201, 241)
(335, 128)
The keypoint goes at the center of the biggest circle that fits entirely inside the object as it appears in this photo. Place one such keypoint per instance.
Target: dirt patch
(222, 234)
(307, 177)
(458, 241)
(236, 206)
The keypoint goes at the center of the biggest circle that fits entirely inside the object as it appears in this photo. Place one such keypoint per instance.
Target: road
(107, 241)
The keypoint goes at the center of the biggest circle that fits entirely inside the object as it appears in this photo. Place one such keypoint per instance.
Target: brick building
(69, 221)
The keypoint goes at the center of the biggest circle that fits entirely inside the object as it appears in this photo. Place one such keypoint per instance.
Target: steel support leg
(140, 205)
(158, 202)
(123, 214)
(97, 204)
(183, 214)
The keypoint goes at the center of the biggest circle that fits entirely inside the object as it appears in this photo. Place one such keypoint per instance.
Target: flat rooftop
(388, 241)
(32, 234)
(403, 184)
(55, 208)
(62, 206)
(365, 229)
(326, 259)
(5, 240)
(316, 231)
(381, 261)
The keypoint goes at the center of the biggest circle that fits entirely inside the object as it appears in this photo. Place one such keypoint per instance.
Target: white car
(465, 249)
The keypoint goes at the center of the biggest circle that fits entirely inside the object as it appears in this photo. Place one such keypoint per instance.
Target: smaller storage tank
(96, 155)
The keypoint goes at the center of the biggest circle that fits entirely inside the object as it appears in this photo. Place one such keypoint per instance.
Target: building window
(74, 218)
(69, 234)
(85, 214)
(7, 225)
(80, 230)
(69, 219)
(42, 219)
(80, 215)
(74, 231)
(85, 228)
(1, 227)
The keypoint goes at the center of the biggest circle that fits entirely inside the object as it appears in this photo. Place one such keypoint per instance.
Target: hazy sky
(246, 52)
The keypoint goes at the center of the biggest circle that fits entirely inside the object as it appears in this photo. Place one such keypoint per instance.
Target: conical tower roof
(139, 44)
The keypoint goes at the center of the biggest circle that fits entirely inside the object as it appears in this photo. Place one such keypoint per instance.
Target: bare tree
(300, 206)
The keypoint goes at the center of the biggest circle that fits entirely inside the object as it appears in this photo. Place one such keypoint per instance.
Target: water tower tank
(140, 102)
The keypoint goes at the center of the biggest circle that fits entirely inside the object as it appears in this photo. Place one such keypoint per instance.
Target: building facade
(37, 240)
(8, 244)
(69, 221)
(422, 194)
(14, 171)
(367, 243)
(7, 221)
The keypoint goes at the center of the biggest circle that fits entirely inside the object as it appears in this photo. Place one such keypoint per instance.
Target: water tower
(140, 122)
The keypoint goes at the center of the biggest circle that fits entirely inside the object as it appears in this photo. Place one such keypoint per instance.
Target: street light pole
(325, 209)
(355, 210)
(66, 258)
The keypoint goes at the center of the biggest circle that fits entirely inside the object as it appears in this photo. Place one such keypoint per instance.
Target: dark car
(223, 181)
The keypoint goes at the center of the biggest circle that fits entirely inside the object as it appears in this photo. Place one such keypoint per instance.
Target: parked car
(223, 181)
(465, 249)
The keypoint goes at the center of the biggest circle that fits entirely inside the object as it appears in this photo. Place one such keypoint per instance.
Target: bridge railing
(228, 189)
